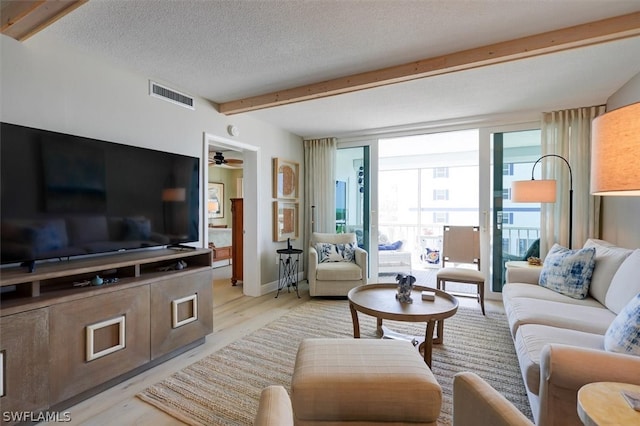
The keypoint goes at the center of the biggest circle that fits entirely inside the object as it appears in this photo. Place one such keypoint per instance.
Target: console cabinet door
(24, 348)
(95, 339)
(181, 311)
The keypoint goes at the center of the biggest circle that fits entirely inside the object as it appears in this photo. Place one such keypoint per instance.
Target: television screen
(64, 195)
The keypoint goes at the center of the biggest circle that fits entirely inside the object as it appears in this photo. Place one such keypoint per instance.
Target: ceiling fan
(218, 159)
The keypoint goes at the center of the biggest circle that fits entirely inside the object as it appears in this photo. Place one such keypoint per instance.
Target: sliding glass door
(397, 194)
(516, 227)
(353, 196)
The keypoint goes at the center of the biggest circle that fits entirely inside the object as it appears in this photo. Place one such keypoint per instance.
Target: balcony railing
(418, 238)
(517, 240)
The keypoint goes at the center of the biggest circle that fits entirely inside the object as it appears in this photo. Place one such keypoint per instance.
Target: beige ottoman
(363, 380)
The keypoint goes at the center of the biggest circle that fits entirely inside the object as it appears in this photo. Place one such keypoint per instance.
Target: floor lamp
(542, 191)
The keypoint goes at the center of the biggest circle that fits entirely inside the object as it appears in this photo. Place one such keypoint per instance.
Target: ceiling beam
(22, 19)
(526, 47)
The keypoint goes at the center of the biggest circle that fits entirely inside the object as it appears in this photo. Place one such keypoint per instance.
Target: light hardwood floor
(234, 316)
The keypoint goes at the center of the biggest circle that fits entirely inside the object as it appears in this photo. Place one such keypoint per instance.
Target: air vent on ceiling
(170, 95)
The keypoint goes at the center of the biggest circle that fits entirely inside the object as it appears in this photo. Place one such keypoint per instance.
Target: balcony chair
(532, 251)
(336, 264)
(461, 245)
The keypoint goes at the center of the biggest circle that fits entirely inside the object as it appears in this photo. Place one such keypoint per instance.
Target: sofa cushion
(338, 271)
(115, 227)
(40, 235)
(623, 335)
(391, 246)
(137, 228)
(590, 319)
(511, 290)
(47, 236)
(328, 252)
(87, 229)
(608, 259)
(531, 338)
(568, 271)
(625, 283)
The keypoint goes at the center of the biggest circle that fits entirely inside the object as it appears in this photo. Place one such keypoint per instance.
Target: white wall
(52, 87)
(621, 215)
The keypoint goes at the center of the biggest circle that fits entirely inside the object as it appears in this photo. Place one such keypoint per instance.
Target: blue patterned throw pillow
(568, 271)
(328, 252)
(623, 334)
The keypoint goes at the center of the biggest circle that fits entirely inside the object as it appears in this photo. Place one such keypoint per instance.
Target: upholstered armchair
(475, 403)
(336, 264)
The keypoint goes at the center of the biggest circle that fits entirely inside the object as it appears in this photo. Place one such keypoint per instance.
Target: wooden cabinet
(237, 249)
(25, 361)
(64, 340)
(181, 312)
(95, 339)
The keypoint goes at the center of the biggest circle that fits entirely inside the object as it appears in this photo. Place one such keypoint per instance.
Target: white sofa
(560, 340)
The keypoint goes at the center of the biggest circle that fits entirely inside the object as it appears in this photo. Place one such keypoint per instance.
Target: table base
(423, 344)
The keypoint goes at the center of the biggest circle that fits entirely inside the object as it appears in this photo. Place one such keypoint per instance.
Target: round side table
(602, 403)
(288, 269)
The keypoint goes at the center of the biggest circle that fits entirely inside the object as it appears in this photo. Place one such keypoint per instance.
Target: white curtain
(568, 133)
(320, 184)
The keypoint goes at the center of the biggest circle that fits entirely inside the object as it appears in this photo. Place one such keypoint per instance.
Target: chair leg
(481, 296)
(442, 285)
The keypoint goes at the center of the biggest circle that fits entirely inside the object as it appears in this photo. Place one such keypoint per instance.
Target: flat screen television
(65, 195)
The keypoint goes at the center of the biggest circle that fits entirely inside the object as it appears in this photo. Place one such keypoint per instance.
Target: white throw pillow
(623, 335)
(568, 271)
(328, 252)
(608, 260)
(625, 283)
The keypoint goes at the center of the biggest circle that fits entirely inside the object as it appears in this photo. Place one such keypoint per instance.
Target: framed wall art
(285, 179)
(285, 220)
(215, 200)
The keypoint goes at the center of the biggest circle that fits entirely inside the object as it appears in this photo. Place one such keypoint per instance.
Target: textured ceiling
(225, 50)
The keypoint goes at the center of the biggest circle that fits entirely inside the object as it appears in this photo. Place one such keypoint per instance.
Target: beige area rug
(224, 388)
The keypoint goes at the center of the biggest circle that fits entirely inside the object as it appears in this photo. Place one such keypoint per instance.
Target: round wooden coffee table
(378, 300)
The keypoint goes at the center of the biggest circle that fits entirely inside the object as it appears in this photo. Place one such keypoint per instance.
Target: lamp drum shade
(533, 191)
(615, 152)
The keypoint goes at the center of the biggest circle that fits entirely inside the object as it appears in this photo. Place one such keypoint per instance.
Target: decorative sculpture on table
(405, 285)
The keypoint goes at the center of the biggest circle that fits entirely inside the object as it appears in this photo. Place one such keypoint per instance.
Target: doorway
(425, 182)
(250, 155)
